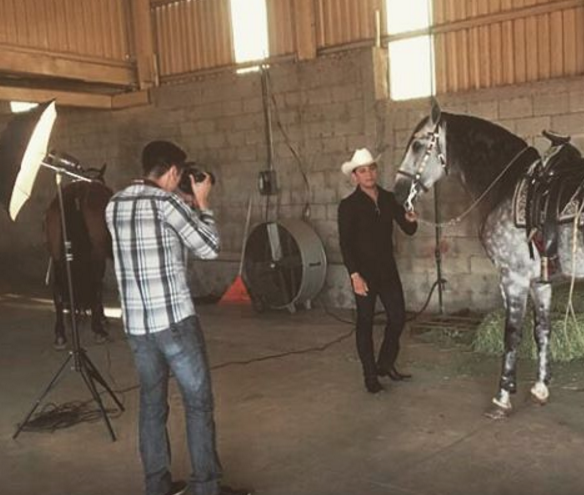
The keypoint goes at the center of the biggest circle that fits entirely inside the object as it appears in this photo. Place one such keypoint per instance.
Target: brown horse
(84, 207)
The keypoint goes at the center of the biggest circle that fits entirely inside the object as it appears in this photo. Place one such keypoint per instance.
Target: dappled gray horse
(491, 161)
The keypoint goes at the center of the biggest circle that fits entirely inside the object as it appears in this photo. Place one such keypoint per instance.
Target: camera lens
(199, 176)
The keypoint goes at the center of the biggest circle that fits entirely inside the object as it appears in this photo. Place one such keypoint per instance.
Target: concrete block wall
(323, 110)
(526, 111)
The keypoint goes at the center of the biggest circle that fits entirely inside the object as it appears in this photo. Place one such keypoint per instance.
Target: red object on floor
(236, 293)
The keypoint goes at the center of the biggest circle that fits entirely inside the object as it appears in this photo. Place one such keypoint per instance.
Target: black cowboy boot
(394, 374)
(372, 385)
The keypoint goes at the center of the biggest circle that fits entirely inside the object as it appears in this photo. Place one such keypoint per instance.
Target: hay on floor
(567, 338)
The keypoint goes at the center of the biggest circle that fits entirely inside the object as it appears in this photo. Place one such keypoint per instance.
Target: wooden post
(143, 43)
(380, 64)
(305, 29)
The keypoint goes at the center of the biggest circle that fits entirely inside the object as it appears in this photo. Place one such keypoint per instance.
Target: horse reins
(416, 177)
(434, 142)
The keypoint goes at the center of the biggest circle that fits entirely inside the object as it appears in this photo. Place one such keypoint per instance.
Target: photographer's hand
(202, 191)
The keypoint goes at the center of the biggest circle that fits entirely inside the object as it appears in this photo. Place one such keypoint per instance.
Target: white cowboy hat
(361, 158)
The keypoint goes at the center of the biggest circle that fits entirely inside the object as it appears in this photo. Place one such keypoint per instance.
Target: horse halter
(434, 142)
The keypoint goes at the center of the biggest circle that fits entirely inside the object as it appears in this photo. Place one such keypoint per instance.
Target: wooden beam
(129, 100)
(20, 60)
(143, 43)
(488, 19)
(305, 22)
(76, 99)
(64, 98)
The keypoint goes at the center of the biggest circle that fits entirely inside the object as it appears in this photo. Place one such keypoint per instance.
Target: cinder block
(551, 104)
(532, 126)
(236, 138)
(347, 92)
(205, 126)
(336, 144)
(456, 264)
(516, 108)
(253, 105)
(247, 153)
(320, 96)
(572, 123)
(488, 110)
(482, 265)
(576, 101)
(351, 127)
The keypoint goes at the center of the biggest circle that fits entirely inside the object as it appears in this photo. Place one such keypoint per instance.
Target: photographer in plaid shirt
(153, 224)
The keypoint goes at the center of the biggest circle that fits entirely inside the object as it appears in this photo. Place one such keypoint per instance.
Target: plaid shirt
(152, 230)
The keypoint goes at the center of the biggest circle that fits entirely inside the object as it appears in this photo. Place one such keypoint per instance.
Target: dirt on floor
(293, 417)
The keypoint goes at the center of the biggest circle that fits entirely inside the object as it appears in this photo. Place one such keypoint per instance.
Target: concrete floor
(295, 425)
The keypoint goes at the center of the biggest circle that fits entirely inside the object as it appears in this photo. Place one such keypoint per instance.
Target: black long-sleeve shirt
(366, 230)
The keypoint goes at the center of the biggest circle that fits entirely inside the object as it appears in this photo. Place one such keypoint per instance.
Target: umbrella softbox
(23, 147)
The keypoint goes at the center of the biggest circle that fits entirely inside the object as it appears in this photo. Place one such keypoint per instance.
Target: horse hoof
(100, 337)
(498, 410)
(540, 394)
(60, 344)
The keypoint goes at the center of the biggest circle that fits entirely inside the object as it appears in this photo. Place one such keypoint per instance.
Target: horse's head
(424, 161)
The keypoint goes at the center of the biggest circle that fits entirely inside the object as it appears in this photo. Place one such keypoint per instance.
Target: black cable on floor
(54, 417)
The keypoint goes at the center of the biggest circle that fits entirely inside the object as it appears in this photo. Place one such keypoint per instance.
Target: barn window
(249, 21)
(410, 48)
(21, 106)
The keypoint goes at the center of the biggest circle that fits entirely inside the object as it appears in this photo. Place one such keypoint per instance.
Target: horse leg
(60, 341)
(100, 335)
(541, 295)
(515, 290)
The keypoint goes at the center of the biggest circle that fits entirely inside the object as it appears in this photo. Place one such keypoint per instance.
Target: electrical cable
(53, 417)
(295, 154)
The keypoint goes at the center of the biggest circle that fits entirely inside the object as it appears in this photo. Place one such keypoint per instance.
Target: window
(21, 106)
(249, 22)
(411, 60)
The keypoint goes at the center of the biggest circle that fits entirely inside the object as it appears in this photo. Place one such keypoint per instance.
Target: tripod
(77, 355)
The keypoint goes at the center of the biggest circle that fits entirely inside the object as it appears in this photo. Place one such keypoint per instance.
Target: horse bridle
(416, 177)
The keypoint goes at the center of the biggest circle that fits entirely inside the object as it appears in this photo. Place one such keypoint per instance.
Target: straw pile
(567, 339)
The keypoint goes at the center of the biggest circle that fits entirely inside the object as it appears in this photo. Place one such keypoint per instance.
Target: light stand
(81, 362)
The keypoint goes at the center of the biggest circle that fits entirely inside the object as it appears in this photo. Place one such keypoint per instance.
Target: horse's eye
(416, 146)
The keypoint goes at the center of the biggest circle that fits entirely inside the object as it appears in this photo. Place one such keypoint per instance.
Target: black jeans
(181, 349)
(390, 292)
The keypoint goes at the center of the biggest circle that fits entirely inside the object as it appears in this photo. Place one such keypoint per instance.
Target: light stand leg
(96, 376)
(81, 362)
(42, 396)
(91, 386)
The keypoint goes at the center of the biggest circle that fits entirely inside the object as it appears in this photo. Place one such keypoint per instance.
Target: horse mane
(480, 150)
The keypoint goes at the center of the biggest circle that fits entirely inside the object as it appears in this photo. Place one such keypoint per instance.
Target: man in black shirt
(365, 231)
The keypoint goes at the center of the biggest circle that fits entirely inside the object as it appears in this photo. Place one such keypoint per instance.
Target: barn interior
(271, 97)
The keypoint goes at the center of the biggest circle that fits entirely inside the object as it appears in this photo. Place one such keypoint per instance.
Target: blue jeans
(181, 348)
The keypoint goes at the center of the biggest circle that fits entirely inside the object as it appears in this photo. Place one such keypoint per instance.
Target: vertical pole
(68, 261)
(437, 216)
(437, 247)
(266, 95)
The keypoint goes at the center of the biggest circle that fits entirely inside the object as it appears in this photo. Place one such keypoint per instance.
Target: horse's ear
(436, 111)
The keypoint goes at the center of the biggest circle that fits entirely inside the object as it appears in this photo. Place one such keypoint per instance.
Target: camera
(191, 169)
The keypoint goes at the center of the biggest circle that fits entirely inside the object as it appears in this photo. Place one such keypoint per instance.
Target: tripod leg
(42, 396)
(91, 386)
(94, 373)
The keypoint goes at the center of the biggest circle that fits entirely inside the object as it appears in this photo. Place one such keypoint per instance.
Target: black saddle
(555, 138)
(551, 192)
